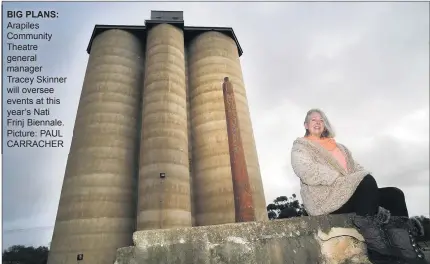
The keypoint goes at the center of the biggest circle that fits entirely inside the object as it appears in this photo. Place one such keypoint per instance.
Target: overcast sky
(365, 64)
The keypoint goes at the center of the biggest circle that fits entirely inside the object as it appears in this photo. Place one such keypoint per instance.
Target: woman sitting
(332, 182)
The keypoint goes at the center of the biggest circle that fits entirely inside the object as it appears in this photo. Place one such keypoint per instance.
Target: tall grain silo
(164, 177)
(152, 152)
(212, 56)
(96, 212)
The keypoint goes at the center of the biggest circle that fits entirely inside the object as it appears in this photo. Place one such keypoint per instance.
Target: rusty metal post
(242, 190)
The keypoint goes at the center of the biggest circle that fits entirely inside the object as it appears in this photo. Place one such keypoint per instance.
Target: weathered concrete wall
(213, 56)
(96, 213)
(323, 240)
(164, 203)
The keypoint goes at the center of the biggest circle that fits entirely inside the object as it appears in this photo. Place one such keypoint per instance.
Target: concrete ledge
(302, 240)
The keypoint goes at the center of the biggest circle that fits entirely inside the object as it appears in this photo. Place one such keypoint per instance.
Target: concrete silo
(96, 212)
(164, 177)
(150, 146)
(213, 56)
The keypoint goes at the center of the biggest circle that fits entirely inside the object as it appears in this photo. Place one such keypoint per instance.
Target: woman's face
(315, 125)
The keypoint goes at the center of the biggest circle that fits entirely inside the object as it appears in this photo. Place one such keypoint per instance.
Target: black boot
(375, 237)
(401, 236)
(378, 246)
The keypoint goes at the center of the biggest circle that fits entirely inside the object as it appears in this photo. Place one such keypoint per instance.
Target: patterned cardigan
(325, 184)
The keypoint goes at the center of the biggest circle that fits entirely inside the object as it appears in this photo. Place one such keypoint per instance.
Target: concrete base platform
(303, 240)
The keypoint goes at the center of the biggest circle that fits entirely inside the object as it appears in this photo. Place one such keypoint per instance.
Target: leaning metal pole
(244, 206)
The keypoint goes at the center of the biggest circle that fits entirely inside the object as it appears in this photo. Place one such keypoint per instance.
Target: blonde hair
(328, 129)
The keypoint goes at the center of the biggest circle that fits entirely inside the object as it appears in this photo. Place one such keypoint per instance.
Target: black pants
(368, 197)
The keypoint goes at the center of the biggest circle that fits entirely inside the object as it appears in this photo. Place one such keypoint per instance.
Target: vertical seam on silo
(139, 127)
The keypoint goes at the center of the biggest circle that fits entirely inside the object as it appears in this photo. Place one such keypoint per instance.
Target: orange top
(330, 145)
(338, 154)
